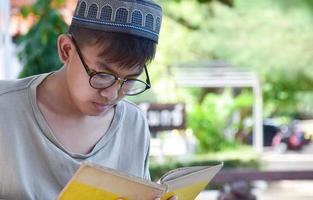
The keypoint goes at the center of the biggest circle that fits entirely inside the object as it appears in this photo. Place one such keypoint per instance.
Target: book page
(188, 186)
(173, 174)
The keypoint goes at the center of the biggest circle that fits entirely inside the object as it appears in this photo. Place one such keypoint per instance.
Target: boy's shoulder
(130, 104)
(9, 86)
(132, 109)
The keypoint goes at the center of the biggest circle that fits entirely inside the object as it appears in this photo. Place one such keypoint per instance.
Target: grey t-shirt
(33, 165)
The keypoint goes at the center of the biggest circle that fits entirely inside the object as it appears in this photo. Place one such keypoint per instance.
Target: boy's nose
(111, 92)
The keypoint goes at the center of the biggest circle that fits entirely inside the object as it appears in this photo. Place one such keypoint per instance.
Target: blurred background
(232, 81)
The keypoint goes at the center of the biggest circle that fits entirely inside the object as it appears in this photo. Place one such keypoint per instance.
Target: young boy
(51, 123)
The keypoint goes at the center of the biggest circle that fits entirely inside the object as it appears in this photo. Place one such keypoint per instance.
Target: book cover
(99, 183)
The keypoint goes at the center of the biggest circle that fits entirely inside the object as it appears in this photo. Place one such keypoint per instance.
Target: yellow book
(101, 183)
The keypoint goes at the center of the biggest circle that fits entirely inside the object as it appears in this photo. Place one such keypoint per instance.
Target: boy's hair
(125, 50)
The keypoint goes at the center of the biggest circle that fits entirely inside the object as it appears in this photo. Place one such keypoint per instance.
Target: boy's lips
(101, 106)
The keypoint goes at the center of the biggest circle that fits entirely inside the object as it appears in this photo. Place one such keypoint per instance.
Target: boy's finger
(174, 198)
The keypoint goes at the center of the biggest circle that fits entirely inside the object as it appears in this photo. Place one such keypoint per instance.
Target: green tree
(210, 119)
(270, 37)
(38, 48)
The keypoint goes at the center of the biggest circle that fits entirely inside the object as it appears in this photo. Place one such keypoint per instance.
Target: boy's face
(88, 100)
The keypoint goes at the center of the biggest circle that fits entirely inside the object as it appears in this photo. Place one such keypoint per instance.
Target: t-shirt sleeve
(147, 171)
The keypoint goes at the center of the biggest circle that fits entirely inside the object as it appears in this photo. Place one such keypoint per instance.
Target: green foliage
(284, 91)
(38, 48)
(226, 2)
(269, 37)
(210, 119)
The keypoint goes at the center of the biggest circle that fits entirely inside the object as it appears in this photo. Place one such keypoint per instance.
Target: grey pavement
(288, 190)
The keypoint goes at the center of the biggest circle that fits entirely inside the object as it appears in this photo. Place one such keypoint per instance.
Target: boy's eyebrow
(103, 65)
(106, 67)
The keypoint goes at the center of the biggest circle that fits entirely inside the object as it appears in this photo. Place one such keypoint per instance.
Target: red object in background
(290, 137)
(296, 141)
(20, 3)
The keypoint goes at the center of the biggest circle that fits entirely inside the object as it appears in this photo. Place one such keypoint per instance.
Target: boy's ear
(65, 47)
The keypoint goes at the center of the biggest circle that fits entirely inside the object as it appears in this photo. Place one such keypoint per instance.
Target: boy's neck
(50, 91)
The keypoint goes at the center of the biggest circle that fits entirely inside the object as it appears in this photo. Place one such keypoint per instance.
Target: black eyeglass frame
(91, 72)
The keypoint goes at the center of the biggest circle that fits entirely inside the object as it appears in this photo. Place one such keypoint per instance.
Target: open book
(96, 182)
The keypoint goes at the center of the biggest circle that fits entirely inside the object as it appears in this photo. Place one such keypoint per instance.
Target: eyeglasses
(103, 80)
